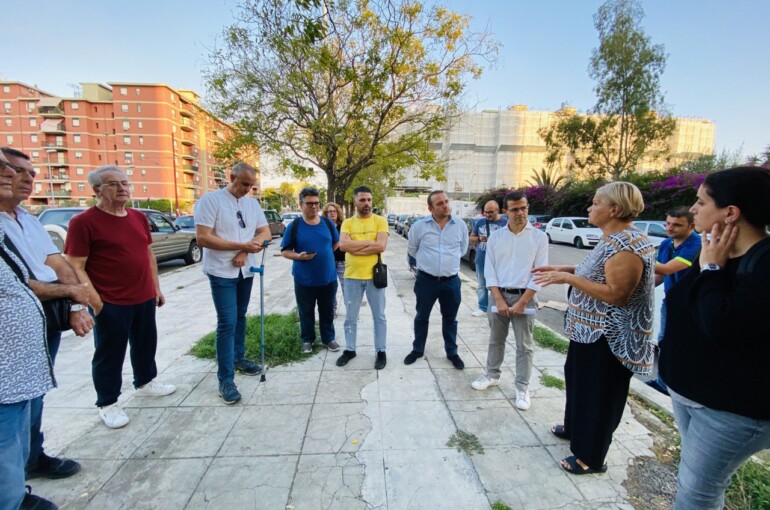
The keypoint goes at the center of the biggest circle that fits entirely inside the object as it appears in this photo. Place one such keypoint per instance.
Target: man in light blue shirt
(437, 242)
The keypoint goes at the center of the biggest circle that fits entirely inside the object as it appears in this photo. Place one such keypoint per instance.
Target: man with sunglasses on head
(482, 229)
(231, 228)
(109, 246)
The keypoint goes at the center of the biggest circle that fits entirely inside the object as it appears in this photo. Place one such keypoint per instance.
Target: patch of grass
(499, 505)
(750, 488)
(551, 381)
(282, 340)
(547, 339)
(466, 442)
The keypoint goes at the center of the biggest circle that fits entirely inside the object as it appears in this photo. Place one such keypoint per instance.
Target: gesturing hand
(715, 249)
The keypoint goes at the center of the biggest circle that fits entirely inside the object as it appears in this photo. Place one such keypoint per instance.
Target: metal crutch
(261, 271)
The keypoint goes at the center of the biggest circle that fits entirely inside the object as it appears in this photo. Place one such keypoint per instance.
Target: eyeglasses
(240, 219)
(313, 204)
(17, 169)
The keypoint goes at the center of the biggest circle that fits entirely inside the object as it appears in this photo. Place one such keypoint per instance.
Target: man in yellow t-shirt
(363, 237)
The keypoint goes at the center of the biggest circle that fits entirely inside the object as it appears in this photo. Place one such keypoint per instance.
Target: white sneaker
(155, 389)
(522, 400)
(113, 416)
(479, 313)
(484, 382)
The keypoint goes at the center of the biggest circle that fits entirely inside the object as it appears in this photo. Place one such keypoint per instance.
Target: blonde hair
(626, 196)
(340, 212)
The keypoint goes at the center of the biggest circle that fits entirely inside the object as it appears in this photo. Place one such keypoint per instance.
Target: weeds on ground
(499, 505)
(551, 381)
(547, 339)
(466, 442)
(750, 488)
(282, 340)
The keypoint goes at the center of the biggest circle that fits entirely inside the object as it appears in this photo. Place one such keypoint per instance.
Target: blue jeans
(660, 339)
(307, 297)
(116, 327)
(447, 292)
(231, 300)
(36, 407)
(482, 291)
(714, 445)
(14, 450)
(354, 293)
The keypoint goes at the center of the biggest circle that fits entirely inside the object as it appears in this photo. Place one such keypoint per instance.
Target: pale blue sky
(718, 66)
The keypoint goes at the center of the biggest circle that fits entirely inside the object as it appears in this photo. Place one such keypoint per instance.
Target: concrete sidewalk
(318, 436)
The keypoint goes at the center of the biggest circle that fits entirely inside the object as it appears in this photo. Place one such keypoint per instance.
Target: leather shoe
(412, 357)
(456, 361)
(381, 361)
(53, 468)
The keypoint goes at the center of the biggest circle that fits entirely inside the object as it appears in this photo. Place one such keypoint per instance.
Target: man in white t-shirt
(512, 252)
(231, 228)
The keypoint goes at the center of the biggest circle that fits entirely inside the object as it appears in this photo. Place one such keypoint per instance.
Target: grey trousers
(523, 327)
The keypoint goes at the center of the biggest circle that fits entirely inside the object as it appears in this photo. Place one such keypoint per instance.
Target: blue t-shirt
(321, 269)
(480, 229)
(685, 252)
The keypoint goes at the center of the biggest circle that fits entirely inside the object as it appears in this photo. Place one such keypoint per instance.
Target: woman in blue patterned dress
(609, 324)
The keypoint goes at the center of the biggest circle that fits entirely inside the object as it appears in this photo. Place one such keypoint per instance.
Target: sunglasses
(240, 219)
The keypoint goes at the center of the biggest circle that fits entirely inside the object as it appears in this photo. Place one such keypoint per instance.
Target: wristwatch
(77, 307)
(709, 267)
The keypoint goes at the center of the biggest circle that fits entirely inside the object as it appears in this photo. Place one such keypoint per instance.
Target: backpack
(293, 233)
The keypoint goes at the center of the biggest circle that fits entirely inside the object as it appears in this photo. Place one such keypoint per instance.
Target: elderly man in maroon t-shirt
(109, 245)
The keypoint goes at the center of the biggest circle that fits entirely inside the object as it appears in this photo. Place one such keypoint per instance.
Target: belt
(513, 291)
(437, 278)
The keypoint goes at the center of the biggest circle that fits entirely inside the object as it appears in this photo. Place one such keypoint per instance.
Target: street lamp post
(48, 153)
(470, 186)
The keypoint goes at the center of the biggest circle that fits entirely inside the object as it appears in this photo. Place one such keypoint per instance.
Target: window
(144, 189)
(139, 124)
(6, 89)
(75, 105)
(126, 125)
(7, 106)
(97, 125)
(138, 91)
(79, 170)
(123, 91)
(75, 121)
(76, 138)
(144, 172)
(129, 172)
(31, 106)
(96, 109)
(32, 122)
(78, 155)
(141, 140)
(139, 108)
(35, 155)
(9, 139)
(127, 140)
(33, 138)
(141, 156)
(124, 108)
(81, 186)
(171, 97)
(8, 122)
(129, 157)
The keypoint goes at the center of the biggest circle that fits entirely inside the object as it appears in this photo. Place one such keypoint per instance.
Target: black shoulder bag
(380, 278)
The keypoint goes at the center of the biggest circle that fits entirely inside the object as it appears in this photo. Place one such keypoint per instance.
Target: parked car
(289, 217)
(573, 230)
(274, 220)
(409, 222)
(470, 253)
(655, 230)
(392, 219)
(169, 241)
(399, 225)
(186, 222)
(539, 220)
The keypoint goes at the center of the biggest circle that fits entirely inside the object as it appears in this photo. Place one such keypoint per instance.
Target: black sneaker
(380, 361)
(53, 468)
(32, 502)
(456, 361)
(229, 392)
(247, 367)
(412, 357)
(346, 356)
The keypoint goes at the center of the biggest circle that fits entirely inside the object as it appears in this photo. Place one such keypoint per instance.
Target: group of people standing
(712, 347)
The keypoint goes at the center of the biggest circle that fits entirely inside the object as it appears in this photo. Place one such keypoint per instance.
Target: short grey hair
(240, 168)
(95, 176)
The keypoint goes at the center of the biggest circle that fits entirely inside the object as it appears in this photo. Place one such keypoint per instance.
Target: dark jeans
(447, 292)
(307, 297)
(116, 327)
(231, 300)
(36, 408)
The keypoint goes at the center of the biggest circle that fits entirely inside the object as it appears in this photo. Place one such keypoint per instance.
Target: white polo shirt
(219, 210)
(32, 241)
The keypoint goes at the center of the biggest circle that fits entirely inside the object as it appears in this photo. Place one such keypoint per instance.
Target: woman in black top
(716, 345)
(335, 213)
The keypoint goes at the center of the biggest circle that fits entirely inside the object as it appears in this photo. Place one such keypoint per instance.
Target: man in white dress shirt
(511, 253)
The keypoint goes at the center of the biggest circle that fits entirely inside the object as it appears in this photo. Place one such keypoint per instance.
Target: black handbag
(380, 278)
(57, 310)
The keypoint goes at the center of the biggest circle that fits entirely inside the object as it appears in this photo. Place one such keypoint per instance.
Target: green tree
(547, 177)
(345, 85)
(628, 121)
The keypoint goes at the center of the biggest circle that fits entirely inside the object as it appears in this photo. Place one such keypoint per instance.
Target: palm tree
(546, 177)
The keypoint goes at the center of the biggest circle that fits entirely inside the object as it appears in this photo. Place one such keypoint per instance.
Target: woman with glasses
(335, 213)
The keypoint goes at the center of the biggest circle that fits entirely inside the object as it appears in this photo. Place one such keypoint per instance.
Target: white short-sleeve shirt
(219, 210)
(32, 241)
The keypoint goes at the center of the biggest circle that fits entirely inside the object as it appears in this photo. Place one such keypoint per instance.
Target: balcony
(187, 110)
(220, 176)
(190, 153)
(59, 193)
(50, 111)
(59, 146)
(190, 169)
(187, 139)
(53, 127)
(56, 177)
(188, 124)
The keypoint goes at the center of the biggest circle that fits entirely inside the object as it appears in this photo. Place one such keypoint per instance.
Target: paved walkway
(317, 436)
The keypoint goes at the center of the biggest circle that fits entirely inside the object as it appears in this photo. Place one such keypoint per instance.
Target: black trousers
(597, 389)
(117, 326)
